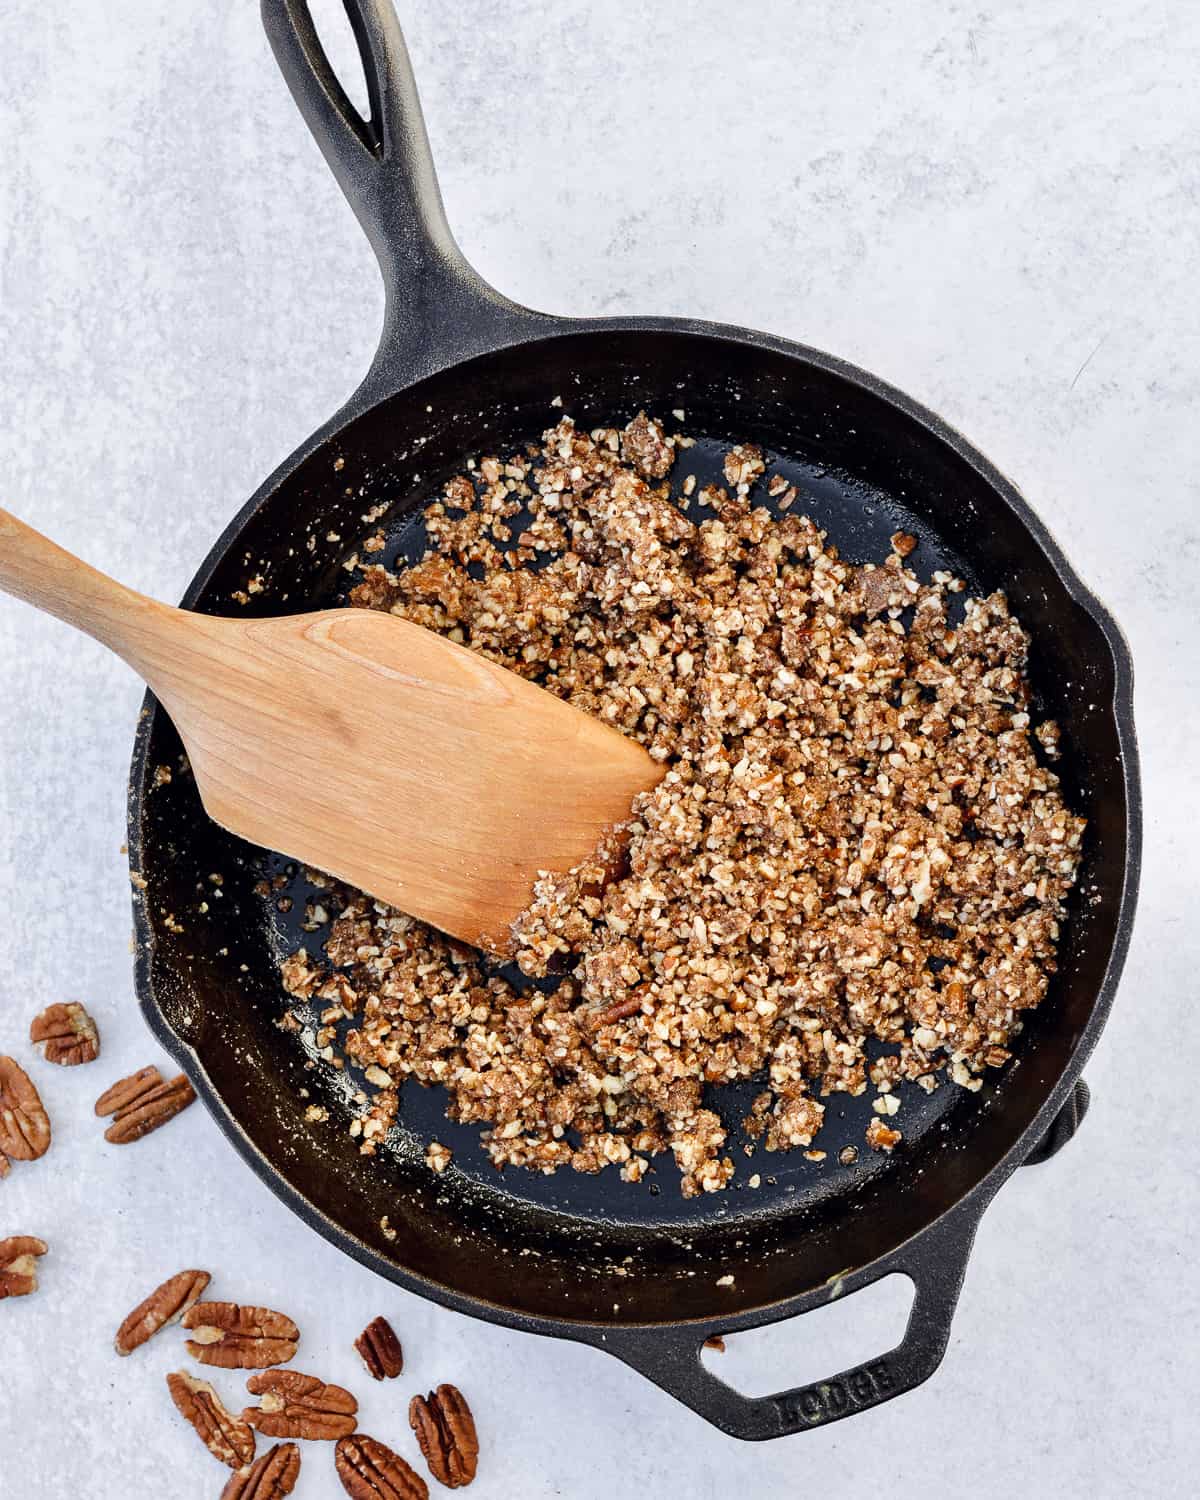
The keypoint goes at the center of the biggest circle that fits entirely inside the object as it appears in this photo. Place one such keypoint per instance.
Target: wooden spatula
(362, 744)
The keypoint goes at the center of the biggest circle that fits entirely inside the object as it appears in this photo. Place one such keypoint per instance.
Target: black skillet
(635, 1270)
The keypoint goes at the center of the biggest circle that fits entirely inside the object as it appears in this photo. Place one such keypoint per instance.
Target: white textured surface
(996, 208)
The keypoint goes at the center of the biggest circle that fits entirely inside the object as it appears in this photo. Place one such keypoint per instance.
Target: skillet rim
(959, 1220)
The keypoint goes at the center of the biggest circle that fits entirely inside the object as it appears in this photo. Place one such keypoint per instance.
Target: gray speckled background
(998, 209)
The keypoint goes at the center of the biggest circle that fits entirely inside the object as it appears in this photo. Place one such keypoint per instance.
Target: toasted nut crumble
(854, 841)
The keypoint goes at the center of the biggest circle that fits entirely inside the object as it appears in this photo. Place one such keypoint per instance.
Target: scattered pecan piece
(882, 1137)
(268, 1478)
(66, 1034)
(24, 1124)
(18, 1265)
(620, 1010)
(380, 1349)
(299, 1406)
(239, 1338)
(445, 1430)
(369, 1470)
(903, 543)
(716, 1342)
(165, 1304)
(141, 1103)
(225, 1436)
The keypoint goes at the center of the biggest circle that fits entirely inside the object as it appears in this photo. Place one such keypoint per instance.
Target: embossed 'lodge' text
(828, 1399)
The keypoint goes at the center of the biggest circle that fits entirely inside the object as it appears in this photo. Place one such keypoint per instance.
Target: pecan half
(126, 1090)
(165, 1304)
(224, 1435)
(380, 1349)
(18, 1265)
(299, 1406)
(66, 1034)
(24, 1124)
(141, 1103)
(239, 1338)
(445, 1430)
(369, 1470)
(268, 1478)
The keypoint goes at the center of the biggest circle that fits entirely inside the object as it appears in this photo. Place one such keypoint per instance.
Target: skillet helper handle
(1063, 1128)
(437, 305)
(935, 1262)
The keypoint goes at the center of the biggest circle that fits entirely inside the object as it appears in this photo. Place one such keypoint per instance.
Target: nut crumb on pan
(881, 1137)
(854, 842)
(437, 1156)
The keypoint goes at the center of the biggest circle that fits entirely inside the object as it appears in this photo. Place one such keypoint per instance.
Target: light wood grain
(362, 744)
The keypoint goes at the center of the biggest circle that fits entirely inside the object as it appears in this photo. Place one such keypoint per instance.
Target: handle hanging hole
(332, 25)
(846, 1332)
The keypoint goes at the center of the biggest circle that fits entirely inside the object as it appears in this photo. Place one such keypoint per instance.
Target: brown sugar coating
(854, 839)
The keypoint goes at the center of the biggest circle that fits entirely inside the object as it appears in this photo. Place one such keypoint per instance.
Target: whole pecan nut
(270, 1477)
(380, 1349)
(445, 1430)
(24, 1124)
(165, 1304)
(299, 1406)
(66, 1034)
(141, 1103)
(239, 1338)
(18, 1265)
(225, 1436)
(369, 1470)
(126, 1090)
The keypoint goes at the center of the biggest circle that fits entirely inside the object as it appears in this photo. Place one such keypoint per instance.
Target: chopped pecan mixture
(855, 841)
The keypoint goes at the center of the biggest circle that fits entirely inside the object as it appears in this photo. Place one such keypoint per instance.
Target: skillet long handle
(438, 307)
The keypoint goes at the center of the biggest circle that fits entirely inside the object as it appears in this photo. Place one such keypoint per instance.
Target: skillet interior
(570, 1247)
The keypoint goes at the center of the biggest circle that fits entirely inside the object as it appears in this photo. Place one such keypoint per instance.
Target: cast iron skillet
(461, 370)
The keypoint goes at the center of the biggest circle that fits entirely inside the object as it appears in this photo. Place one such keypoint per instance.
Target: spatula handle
(35, 569)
